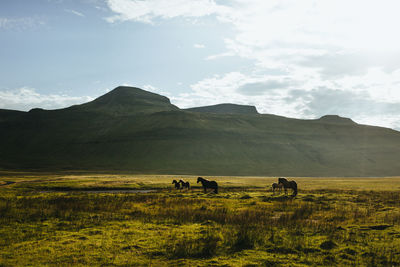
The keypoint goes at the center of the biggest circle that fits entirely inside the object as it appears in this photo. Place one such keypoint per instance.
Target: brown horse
(276, 186)
(177, 185)
(208, 184)
(184, 184)
(288, 184)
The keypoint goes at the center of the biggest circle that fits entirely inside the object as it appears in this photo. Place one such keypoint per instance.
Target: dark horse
(288, 184)
(208, 184)
(177, 185)
(184, 184)
(276, 186)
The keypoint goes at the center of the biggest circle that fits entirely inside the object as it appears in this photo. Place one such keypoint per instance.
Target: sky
(295, 58)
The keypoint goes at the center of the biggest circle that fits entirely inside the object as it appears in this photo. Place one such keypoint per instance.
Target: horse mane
(282, 180)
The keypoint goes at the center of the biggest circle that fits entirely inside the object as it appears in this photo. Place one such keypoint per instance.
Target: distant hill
(127, 101)
(129, 129)
(335, 119)
(226, 109)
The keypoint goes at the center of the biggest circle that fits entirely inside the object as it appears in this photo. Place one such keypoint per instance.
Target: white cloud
(360, 106)
(23, 23)
(238, 88)
(153, 89)
(147, 11)
(334, 48)
(285, 96)
(199, 46)
(74, 12)
(26, 98)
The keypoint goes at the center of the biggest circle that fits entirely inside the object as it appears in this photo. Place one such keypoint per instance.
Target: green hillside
(226, 109)
(129, 129)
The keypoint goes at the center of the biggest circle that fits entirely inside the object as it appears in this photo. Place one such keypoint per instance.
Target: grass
(54, 219)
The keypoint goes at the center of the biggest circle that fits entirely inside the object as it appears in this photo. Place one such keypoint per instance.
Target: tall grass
(229, 225)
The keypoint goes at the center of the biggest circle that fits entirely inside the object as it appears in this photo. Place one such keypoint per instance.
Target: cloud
(26, 98)
(199, 46)
(281, 95)
(259, 88)
(148, 11)
(359, 106)
(310, 58)
(74, 12)
(334, 37)
(23, 23)
(231, 88)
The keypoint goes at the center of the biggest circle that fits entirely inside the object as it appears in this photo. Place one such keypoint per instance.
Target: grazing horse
(177, 185)
(208, 184)
(288, 184)
(276, 186)
(184, 184)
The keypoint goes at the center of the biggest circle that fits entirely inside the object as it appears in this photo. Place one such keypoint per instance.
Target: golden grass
(51, 219)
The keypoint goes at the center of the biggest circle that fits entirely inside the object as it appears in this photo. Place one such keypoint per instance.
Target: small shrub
(246, 237)
(188, 247)
(328, 245)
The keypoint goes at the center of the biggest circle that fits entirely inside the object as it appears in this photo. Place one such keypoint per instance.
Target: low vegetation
(92, 220)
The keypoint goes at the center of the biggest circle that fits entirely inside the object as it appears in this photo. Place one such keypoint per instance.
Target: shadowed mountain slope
(226, 109)
(6, 114)
(129, 129)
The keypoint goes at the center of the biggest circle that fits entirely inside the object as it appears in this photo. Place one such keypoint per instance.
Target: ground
(97, 219)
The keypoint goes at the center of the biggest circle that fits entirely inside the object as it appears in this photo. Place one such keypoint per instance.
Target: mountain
(129, 129)
(226, 109)
(6, 114)
(335, 119)
(125, 100)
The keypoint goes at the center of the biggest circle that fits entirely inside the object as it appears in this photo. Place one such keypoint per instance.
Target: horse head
(174, 182)
(199, 179)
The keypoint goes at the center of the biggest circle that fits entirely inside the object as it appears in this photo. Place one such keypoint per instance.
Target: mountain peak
(128, 94)
(336, 119)
(125, 100)
(226, 108)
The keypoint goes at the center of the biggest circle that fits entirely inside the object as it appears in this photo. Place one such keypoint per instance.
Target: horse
(208, 184)
(177, 185)
(184, 184)
(276, 186)
(288, 184)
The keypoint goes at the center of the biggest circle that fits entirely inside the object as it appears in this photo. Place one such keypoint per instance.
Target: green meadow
(82, 219)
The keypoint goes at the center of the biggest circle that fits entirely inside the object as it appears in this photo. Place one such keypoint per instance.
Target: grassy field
(80, 219)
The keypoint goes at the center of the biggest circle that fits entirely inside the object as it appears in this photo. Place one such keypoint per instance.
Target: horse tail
(216, 190)
(294, 189)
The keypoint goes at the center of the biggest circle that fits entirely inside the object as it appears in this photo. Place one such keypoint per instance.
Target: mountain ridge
(143, 132)
(126, 100)
(226, 108)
